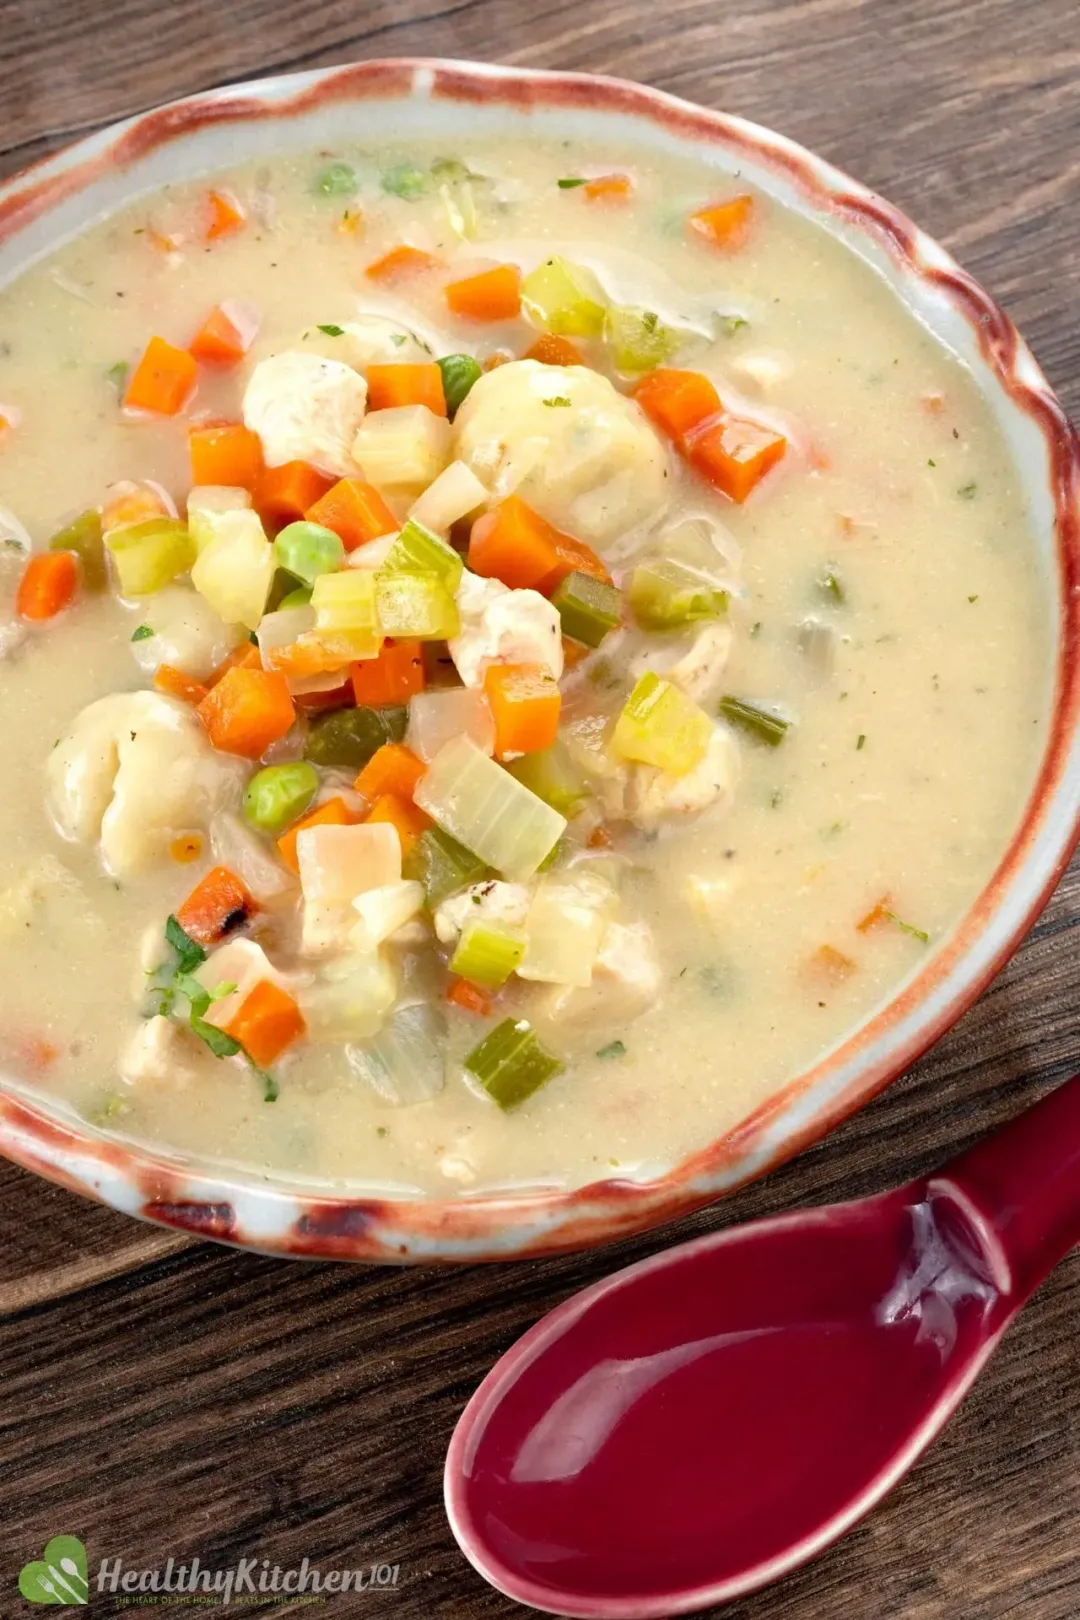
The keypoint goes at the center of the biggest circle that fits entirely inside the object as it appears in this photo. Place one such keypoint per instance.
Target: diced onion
(455, 493)
(484, 808)
(564, 928)
(404, 1063)
(383, 911)
(349, 999)
(436, 718)
(338, 863)
(281, 629)
(246, 854)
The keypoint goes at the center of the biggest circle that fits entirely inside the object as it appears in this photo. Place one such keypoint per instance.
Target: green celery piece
(665, 595)
(300, 597)
(565, 298)
(417, 605)
(418, 551)
(148, 556)
(347, 738)
(83, 535)
(757, 722)
(345, 602)
(442, 865)
(511, 1064)
(459, 373)
(660, 726)
(588, 607)
(552, 776)
(637, 339)
(486, 955)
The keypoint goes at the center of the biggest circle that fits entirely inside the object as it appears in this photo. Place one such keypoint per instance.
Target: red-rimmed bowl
(430, 98)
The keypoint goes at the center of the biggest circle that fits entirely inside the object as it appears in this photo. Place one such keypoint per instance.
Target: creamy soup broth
(882, 600)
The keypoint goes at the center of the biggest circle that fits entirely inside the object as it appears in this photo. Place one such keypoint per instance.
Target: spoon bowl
(701, 1423)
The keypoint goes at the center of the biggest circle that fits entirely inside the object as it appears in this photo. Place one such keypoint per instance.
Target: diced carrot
(829, 963)
(525, 702)
(132, 503)
(393, 768)
(877, 915)
(677, 402)
(492, 295)
(395, 676)
(334, 813)
(216, 906)
(226, 215)
(219, 341)
(174, 683)
(36, 1052)
(245, 656)
(515, 544)
(48, 584)
(162, 241)
(314, 654)
(734, 454)
(267, 1021)
(405, 384)
(609, 188)
(724, 224)
(407, 817)
(225, 455)
(401, 262)
(187, 848)
(572, 557)
(469, 997)
(355, 511)
(350, 222)
(600, 838)
(285, 493)
(247, 711)
(500, 357)
(552, 350)
(337, 697)
(163, 381)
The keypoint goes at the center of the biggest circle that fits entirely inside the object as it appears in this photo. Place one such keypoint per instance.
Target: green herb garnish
(731, 324)
(332, 331)
(143, 633)
(829, 585)
(571, 182)
(613, 1049)
(966, 492)
(560, 399)
(189, 952)
(117, 374)
(860, 742)
(909, 928)
(757, 722)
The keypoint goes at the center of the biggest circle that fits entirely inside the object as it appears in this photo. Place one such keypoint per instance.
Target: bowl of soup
(536, 653)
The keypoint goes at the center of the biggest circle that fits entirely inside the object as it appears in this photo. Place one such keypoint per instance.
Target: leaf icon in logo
(59, 1576)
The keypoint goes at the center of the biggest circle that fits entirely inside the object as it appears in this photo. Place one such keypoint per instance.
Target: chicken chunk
(655, 796)
(135, 771)
(566, 441)
(625, 982)
(698, 669)
(188, 634)
(503, 626)
(305, 408)
(158, 1053)
(497, 903)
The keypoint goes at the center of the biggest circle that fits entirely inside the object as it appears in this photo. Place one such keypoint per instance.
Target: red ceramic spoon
(710, 1418)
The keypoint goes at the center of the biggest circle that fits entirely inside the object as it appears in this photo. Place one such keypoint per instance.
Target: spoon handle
(1021, 1186)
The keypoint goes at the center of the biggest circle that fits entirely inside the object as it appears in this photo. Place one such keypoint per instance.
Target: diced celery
(417, 605)
(637, 339)
(417, 551)
(347, 738)
(566, 298)
(489, 811)
(404, 447)
(235, 568)
(442, 865)
(511, 1064)
(83, 536)
(207, 499)
(666, 595)
(564, 929)
(660, 726)
(148, 556)
(459, 373)
(760, 723)
(552, 776)
(344, 605)
(278, 795)
(588, 607)
(307, 550)
(405, 1061)
(487, 955)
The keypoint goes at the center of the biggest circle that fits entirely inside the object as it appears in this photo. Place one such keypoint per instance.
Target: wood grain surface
(159, 1396)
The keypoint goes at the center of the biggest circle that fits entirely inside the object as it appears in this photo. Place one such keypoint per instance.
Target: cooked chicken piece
(655, 796)
(495, 902)
(698, 668)
(566, 441)
(305, 408)
(503, 626)
(158, 1053)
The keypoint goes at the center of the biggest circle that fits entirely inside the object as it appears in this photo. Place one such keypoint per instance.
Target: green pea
(307, 550)
(459, 372)
(278, 794)
(336, 180)
(347, 738)
(405, 180)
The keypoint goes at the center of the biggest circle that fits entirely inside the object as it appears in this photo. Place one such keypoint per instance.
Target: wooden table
(161, 1396)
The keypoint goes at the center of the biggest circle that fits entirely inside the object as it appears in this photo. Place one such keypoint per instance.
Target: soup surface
(722, 725)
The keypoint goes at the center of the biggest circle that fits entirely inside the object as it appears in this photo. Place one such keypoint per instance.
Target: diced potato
(235, 569)
(338, 863)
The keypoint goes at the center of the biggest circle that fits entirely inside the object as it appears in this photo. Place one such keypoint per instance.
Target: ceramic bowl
(456, 100)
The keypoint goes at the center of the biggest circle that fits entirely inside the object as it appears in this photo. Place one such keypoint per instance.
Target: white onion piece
(244, 317)
(236, 846)
(281, 629)
(12, 530)
(455, 493)
(404, 1062)
(436, 718)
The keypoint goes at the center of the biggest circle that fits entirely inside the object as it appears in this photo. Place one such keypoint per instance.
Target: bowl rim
(293, 1219)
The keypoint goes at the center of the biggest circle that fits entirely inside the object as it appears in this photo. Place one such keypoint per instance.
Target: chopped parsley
(613, 1049)
(930, 462)
(397, 339)
(909, 928)
(560, 399)
(176, 979)
(860, 742)
(571, 182)
(332, 331)
(732, 324)
(829, 585)
(117, 374)
(188, 951)
(143, 633)
(974, 598)
(966, 492)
